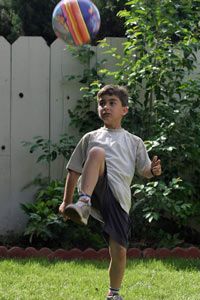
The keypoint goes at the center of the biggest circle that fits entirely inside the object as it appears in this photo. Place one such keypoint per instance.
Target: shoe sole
(73, 215)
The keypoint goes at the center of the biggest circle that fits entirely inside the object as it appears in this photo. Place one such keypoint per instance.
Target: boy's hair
(116, 90)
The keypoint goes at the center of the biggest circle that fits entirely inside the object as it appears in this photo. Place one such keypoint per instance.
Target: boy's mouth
(106, 115)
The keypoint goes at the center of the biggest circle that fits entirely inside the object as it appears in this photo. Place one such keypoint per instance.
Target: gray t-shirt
(125, 154)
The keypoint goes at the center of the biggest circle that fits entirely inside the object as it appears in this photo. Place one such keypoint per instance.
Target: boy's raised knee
(97, 153)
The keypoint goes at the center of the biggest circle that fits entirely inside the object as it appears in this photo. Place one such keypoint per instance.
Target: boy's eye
(101, 103)
(110, 103)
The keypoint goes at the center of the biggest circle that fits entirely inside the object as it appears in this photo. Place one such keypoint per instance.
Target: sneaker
(114, 297)
(78, 212)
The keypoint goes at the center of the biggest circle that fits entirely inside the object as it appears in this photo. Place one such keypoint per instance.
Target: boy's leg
(94, 168)
(117, 264)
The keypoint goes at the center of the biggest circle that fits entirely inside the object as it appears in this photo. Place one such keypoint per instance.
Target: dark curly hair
(116, 90)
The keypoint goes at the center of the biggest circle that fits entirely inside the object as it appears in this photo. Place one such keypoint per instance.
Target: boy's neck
(109, 127)
(113, 128)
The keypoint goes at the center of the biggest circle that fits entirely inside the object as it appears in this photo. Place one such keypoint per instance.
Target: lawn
(87, 280)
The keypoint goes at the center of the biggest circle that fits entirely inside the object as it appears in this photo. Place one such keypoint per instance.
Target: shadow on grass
(182, 264)
(44, 262)
(174, 263)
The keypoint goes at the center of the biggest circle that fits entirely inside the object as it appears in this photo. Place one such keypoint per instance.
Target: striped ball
(76, 21)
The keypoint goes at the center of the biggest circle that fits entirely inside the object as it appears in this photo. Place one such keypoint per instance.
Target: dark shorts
(116, 220)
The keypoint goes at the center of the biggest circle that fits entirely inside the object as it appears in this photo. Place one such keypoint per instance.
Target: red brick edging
(18, 252)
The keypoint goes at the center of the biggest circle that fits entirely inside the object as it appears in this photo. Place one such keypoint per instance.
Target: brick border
(91, 254)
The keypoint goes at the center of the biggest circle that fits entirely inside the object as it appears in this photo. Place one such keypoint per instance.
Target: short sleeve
(78, 156)
(143, 161)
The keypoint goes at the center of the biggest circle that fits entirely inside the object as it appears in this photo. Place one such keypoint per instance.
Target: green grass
(73, 280)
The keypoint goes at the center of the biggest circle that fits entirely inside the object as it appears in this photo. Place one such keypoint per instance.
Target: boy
(107, 159)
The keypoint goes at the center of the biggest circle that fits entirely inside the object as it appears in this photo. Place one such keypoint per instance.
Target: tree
(35, 17)
(10, 25)
(111, 24)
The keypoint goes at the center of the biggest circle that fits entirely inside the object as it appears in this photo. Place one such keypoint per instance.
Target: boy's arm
(70, 184)
(155, 168)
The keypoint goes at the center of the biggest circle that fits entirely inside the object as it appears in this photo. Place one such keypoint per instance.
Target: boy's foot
(114, 297)
(78, 212)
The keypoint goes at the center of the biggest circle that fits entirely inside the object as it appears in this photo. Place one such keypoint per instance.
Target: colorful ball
(76, 21)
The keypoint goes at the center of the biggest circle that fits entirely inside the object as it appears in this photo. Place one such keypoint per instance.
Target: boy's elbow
(73, 173)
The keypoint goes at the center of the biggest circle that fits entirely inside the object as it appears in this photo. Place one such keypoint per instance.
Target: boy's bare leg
(93, 169)
(117, 264)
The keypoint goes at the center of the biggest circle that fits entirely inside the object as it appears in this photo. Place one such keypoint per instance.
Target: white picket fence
(34, 100)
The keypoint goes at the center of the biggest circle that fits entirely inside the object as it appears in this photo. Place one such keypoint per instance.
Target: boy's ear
(125, 110)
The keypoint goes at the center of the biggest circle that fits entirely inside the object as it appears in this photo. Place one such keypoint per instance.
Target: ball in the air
(76, 21)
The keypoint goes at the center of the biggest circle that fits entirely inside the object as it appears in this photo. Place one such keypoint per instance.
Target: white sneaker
(78, 212)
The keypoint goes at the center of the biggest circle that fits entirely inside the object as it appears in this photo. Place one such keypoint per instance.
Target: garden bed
(160, 253)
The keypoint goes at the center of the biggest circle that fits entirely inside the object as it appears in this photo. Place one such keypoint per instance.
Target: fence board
(64, 95)
(29, 117)
(107, 61)
(5, 59)
(4, 97)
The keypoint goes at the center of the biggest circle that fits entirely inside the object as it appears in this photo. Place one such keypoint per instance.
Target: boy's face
(111, 111)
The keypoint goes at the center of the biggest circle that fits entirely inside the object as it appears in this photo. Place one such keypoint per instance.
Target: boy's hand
(62, 210)
(156, 166)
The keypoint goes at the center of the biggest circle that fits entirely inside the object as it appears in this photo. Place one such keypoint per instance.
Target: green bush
(46, 226)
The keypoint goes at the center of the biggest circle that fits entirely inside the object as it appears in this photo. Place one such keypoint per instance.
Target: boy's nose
(106, 106)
